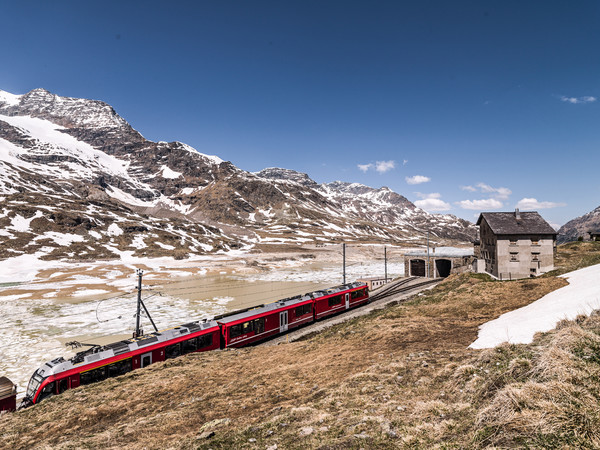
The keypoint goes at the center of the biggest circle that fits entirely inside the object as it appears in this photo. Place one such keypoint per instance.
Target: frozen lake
(95, 303)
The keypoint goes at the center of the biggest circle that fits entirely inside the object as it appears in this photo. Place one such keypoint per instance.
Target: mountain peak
(279, 174)
(65, 111)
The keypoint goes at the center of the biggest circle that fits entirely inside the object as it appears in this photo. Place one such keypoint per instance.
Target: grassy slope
(398, 377)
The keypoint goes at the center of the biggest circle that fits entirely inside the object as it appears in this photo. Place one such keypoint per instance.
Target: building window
(514, 256)
(535, 256)
(512, 241)
(535, 241)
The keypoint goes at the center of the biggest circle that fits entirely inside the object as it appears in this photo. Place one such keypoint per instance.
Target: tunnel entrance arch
(443, 267)
(417, 267)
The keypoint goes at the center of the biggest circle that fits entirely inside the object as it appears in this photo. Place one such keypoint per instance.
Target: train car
(101, 362)
(339, 298)
(249, 326)
(8, 395)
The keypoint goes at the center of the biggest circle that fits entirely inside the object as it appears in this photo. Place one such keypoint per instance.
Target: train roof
(234, 316)
(99, 353)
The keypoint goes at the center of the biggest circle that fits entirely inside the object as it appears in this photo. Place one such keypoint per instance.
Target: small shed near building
(594, 235)
(375, 282)
(439, 263)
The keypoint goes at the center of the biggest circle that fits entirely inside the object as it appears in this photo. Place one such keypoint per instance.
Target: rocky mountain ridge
(580, 227)
(77, 181)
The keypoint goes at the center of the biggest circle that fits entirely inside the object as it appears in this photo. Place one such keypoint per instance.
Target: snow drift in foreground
(581, 296)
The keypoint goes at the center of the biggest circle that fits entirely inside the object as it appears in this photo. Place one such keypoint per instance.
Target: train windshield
(34, 384)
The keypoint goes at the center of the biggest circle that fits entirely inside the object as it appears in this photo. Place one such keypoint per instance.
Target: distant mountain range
(580, 226)
(78, 182)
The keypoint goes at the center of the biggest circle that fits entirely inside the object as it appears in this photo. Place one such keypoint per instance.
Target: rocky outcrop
(580, 227)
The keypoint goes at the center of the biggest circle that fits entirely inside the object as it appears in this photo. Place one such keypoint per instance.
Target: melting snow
(114, 230)
(61, 238)
(20, 223)
(166, 172)
(581, 296)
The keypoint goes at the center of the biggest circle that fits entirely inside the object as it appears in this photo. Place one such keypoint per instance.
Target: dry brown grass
(400, 377)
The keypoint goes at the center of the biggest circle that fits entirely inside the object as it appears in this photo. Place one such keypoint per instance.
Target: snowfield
(581, 296)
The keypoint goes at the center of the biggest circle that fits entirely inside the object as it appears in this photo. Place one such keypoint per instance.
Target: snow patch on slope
(581, 296)
(9, 99)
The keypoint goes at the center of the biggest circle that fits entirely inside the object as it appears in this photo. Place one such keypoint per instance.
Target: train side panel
(260, 326)
(337, 302)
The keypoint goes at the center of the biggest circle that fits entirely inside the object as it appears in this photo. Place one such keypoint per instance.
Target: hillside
(399, 377)
(78, 182)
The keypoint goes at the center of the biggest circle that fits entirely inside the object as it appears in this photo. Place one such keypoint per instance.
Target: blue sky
(487, 104)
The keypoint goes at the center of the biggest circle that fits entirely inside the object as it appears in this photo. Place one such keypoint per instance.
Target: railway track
(404, 288)
(401, 286)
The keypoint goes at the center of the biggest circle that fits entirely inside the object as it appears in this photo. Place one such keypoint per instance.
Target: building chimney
(517, 215)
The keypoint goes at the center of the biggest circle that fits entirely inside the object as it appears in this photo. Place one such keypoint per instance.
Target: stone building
(515, 244)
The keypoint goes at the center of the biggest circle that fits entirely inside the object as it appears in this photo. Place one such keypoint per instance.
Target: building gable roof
(503, 223)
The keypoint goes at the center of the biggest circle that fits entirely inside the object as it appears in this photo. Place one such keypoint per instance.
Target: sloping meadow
(399, 377)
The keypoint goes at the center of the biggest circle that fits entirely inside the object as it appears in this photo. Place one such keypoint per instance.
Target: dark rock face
(580, 227)
(89, 174)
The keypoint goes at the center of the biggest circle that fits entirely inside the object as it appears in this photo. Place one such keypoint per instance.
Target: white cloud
(532, 204)
(501, 193)
(384, 166)
(468, 188)
(433, 204)
(417, 179)
(379, 166)
(432, 195)
(483, 204)
(578, 100)
(404, 162)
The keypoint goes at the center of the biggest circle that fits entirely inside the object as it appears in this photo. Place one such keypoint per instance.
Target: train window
(47, 391)
(246, 327)
(304, 309)
(335, 300)
(119, 368)
(235, 331)
(98, 374)
(172, 351)
(86, 378)
(63, 385)
(189, 346)
(258, 325)
(205, 341)
(357, 294)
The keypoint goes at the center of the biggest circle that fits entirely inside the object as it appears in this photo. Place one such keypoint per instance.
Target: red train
(236, 329)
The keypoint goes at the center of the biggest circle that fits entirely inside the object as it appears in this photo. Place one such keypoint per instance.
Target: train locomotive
(235, 329)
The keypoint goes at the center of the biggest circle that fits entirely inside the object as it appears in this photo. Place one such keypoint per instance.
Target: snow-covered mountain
(77, 181)
(580, 226)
